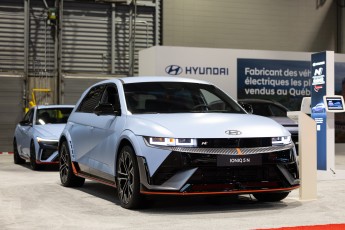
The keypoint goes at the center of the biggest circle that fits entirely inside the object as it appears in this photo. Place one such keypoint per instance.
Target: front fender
(65, 136)
(154, 156)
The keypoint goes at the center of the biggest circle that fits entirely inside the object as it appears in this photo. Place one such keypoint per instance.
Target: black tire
(16, 158)
(128, 179)
(33, 163)
(271, 197)
(67, 177)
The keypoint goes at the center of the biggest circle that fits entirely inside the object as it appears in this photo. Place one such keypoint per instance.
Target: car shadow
(102, 191)
(214, 204)
(43, 168)
(190, 204)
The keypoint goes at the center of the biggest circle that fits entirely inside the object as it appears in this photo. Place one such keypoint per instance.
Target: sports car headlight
(166, 141)
(46, 141)
(281, 140)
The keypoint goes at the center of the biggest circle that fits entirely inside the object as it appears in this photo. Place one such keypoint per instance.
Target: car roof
(53, 106)
(127, 80)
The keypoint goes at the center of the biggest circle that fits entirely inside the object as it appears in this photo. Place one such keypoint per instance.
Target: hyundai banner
(283, 81)
(318, 109)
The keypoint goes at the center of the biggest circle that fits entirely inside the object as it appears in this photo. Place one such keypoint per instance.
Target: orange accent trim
(239, 152)
(47, 163)
(96, 179)
(90, 177)
(74, 169)
(218, 193)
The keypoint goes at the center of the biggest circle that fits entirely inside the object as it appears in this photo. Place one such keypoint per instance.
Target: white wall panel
(294, 25)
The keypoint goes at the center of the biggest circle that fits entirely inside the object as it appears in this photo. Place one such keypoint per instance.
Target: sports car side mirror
(247, 107)
(25, 123)
(106, 109)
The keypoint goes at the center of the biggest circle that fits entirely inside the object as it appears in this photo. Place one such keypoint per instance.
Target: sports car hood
(49, 131)
(289, 124)
(204, 125)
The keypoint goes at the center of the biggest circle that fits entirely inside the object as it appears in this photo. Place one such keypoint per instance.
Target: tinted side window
(91, 100)
(28, 118)
(111, 96)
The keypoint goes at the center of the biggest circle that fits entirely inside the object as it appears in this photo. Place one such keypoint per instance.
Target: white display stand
(307, 155)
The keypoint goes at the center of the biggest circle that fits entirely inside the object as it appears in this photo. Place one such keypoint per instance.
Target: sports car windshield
(53, 116)
(177, 97)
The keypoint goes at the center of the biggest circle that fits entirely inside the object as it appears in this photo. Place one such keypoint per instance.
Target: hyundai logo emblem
(233, 132)
(173, 70)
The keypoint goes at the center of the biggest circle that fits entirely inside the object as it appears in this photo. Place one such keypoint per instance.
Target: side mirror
(247, 107)
(25, 123)
(106, 109)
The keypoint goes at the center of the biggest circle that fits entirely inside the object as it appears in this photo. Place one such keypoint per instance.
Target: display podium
(307, 154)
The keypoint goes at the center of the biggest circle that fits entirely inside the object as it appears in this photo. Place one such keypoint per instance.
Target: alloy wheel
(125, 177)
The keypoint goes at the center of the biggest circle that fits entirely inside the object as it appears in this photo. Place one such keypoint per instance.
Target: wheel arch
(36, 146)
(65, 138)
(15, 142)
(130, 139)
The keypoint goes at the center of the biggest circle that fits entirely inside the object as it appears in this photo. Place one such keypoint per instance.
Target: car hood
(49, 131)
(288, 123)
(285, 121)
(204, 125)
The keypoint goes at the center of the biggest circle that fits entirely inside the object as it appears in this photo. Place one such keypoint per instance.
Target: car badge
(173, 70)
(233, 132)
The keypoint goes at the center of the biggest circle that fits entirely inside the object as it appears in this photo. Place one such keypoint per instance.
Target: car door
(106, 128)
(24, 133)
(81, 127)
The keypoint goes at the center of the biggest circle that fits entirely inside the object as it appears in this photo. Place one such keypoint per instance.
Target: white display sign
(218, 66)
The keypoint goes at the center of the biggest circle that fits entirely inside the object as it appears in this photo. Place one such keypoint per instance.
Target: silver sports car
(36, 136)
(174, 136)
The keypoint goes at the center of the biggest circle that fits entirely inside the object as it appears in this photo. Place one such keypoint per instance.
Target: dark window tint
(91, 100)
(111, 96)
(177, 97)
(28, 118)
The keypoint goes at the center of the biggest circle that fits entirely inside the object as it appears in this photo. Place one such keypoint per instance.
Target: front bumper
(218, 171)
(48, 153)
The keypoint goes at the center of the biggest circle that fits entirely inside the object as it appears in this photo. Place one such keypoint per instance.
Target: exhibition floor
(340, 161)
(36, 200)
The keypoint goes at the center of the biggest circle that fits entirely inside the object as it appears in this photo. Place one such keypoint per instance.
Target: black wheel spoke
(127, 179)
(67, 177)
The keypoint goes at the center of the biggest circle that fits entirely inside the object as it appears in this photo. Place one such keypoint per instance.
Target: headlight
(46, 141)
(281, 140)
(166, 141)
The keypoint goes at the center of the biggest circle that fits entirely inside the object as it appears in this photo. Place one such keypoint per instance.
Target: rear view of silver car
(174, 136)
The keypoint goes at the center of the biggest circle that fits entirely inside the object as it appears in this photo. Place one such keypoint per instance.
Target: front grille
(231, 151)
(234, 175)
(233, 142)
(46, 153)
(209, 172)
(48, 148)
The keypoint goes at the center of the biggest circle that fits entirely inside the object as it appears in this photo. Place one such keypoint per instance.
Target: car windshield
(177, 97)
(52, 115)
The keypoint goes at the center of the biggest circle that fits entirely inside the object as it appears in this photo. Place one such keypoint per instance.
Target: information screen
(334, 103)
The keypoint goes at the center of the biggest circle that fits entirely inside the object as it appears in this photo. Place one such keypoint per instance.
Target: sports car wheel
(67, 177)
(17, 159)
(33, 163)
(271, 197)
(127, 179)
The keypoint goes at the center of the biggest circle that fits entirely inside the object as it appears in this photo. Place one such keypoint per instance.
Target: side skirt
(97, 176)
